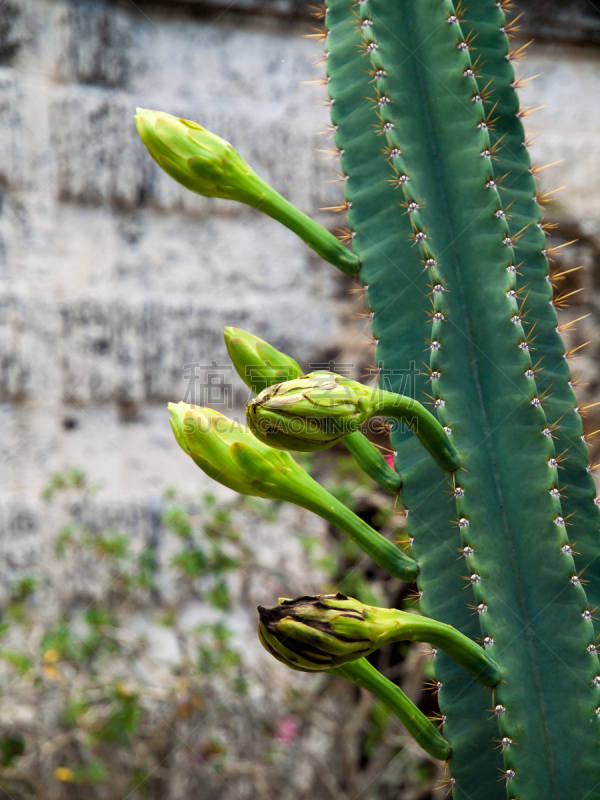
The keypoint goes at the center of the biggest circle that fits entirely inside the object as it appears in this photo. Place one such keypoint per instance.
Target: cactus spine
(454, 264)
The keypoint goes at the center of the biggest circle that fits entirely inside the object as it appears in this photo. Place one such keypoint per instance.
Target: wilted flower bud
(302, 632)
(309, 413)
(320, 633)
(257, 362)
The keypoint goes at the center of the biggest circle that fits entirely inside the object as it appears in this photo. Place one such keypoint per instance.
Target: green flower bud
(260, 365)
(309, 413)
(257, 363)
(227, 451)
(316, 411)
(210, 166)
(301, 632)
(196, 158)
(320, 633)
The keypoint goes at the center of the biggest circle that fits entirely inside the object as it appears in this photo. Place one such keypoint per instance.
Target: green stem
(310, 495)
(424, 425)
(370, 460)
(316, 236)
(414, 628)
(415, 722)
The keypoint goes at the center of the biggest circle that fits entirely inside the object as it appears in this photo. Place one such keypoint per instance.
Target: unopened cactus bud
(227, 451)
(210, 166)
(257, 362)
(316, 411)
(320, 633)
(310, 413)
(196, 158)
(301, 633)
(260, 365)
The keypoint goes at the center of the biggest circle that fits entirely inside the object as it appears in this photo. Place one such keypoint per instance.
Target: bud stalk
(416, 723)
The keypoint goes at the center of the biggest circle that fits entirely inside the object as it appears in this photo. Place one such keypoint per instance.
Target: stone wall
(114, 277)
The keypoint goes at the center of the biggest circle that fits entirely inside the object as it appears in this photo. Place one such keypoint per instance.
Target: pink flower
(287, 730)
(389, 457)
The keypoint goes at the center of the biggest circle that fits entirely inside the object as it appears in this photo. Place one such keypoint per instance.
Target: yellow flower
(64, 774)
(51, 656)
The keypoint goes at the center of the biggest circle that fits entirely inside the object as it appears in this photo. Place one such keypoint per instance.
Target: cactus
(444, 215)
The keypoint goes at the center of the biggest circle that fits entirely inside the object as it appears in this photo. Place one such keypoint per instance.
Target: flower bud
(210, 166)
(316, 411)
(257, 362)
(309, 413)
(227, 451)
(196, 158)
(260, 365)
(324, 632)
(301, 633)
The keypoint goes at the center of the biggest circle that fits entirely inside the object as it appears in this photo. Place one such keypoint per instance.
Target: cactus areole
(447, 236)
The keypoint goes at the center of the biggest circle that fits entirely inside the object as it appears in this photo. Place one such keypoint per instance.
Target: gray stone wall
(114, 277)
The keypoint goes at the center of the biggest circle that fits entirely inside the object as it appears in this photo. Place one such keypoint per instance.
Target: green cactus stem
(535, 279)
(449, 219)
(210, 166)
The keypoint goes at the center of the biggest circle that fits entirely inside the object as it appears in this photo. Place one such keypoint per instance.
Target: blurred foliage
(111, 717)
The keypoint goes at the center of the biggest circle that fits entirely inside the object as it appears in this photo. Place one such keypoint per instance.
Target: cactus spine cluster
(444, 215)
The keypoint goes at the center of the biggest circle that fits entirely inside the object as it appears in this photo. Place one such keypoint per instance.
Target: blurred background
(129, 664)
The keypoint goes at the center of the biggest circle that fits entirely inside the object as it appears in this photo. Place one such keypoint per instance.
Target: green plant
(442, 204)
